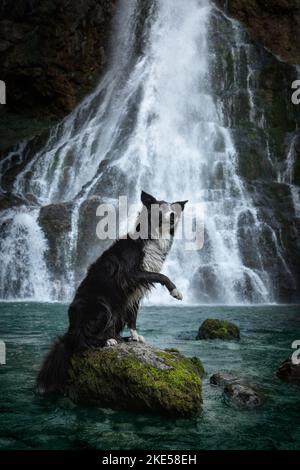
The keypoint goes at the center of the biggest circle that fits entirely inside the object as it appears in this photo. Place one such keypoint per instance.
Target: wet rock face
(7, 201)
(254, 90)
(89, 246)
(277, 234)
(218, 329)
(205, 279)
(51, 55)
(55, 221)
(69, 255)
(289, 372)
(136, 376)
(274, 24)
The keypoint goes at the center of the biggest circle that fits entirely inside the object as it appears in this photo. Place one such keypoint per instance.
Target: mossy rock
(218, 329)
(135, 376)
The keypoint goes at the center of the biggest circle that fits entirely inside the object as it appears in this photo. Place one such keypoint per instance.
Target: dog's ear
(147, 199)
(181, 204)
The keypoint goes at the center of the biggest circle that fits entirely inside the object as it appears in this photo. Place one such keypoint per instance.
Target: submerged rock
(289, 372)
(218, 329)
(221, 379)
(139, 377)
(242, 395)
(235, 392)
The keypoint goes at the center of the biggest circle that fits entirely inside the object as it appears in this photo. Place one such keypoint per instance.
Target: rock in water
(289, 372)
(221, 379)
(136, 376)
(235, 392)
(242, 396)
(218, 329)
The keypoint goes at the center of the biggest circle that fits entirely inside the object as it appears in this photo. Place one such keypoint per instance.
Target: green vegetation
(137, 377)
(218, 329)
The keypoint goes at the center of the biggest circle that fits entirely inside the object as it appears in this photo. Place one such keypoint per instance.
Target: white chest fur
(155, 252)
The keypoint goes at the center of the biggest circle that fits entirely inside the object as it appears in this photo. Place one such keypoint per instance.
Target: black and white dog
(108, 298)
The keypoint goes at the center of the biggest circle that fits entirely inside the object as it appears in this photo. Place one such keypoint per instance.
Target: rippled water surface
(31, 422)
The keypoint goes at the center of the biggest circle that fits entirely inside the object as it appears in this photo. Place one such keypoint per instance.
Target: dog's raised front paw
(176, 294)
(111, 342)
(136, 337)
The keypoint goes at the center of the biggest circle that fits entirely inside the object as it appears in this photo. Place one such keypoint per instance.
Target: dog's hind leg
(106, 335)
(131, 316)
(98, 329)
(109, 334)
(134, 336)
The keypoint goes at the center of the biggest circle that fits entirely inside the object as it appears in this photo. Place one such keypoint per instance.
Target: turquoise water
(31, 422)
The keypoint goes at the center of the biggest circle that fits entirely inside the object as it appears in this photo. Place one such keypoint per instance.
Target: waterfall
(23, 267)
(287, 175)
(153, 123)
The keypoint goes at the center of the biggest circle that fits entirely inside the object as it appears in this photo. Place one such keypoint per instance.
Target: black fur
(105, 302)
(54, 372)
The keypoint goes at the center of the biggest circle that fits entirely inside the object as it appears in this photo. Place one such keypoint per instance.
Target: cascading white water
(22, 266)
(151, 124)
(287, 176)
(178, 129)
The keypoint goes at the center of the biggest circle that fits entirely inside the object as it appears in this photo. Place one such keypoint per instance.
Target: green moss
(172, 350)
(218, 329)
(119, 378)
(199, 366)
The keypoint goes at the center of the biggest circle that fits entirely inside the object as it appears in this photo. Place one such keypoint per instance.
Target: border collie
(108, 298)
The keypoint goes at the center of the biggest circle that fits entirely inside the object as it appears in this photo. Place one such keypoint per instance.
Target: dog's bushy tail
(53, 375)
